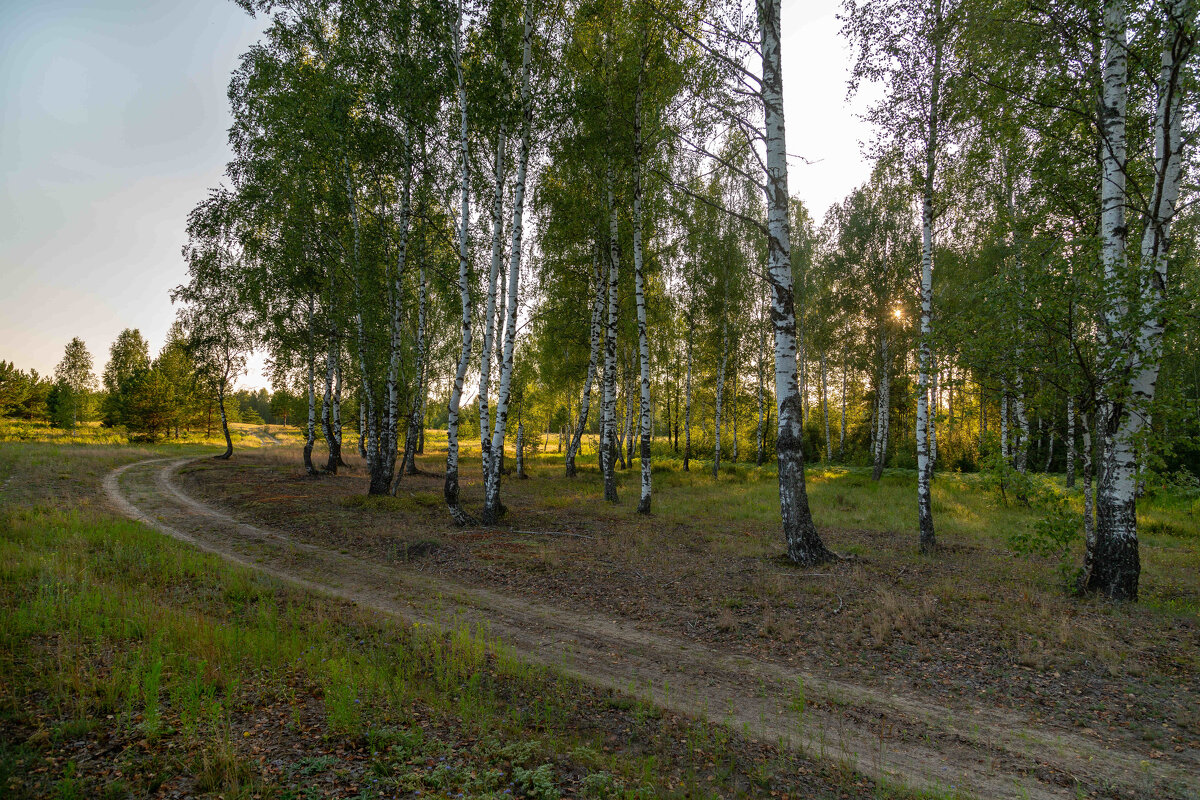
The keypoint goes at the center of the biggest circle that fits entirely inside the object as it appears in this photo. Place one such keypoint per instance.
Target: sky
(113, 118)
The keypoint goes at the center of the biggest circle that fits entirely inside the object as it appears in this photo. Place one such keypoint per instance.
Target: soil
(850, 661)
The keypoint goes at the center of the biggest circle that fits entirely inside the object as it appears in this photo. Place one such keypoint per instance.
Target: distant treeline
(168, 397)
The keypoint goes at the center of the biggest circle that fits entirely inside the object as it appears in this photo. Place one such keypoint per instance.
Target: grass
(975, 623)
(134, 665)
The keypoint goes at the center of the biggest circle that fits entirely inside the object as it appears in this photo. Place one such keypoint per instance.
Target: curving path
(991, 753)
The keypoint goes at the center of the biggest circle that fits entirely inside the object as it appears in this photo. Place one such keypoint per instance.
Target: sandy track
(990, 753)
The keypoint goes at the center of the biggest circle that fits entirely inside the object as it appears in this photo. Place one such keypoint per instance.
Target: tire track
(890, 736)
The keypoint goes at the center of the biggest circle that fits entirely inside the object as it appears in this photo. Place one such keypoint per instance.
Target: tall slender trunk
(585, 399)
(804, 545)
(331, 463)
(225, 423)
(928, 540)
(627, 428)
(883, 405)
(760, 454)
(421, 419)
(1021, 444)
(521, 451)
(842, 435)
(415, 423)
(720, 396)
(639, 290)
(1089, 506)
(825, 410)
(489, 317)
(687, 405)
(1004, 449)
(450, 489)
(492, 508)
(337, 413)
(362, 425)
(383, 472)
(1070, 442)
(1115, 565)
(733, 406)
(310, 432)
(608, 429)
(933, 410)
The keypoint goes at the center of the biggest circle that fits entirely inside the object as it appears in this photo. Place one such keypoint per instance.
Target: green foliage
(537, 784)
(1056, 526)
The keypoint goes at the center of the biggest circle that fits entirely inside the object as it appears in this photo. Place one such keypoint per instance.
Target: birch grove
(441, 215)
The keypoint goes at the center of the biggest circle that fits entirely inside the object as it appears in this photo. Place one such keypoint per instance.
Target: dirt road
(893, 737)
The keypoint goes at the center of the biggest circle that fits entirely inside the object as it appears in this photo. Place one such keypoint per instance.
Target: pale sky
(113, 118)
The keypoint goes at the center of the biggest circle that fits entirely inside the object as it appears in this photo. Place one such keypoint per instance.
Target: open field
(135, 665)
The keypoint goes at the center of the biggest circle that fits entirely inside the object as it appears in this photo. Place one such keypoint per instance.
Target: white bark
(933, 411)
(687, 405)
(842, 435)
(804, 545)
(1115, 564)
(608, 428)
(1070, 442)
(489, 317)
(1020, 445)
(825, 410)
(459, 516)
(1004, 449)
(883, 407)
(640, 296)
(492, 507)
(927, 540)
(720, 398)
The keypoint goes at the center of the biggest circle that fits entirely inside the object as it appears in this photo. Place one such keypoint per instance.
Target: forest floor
(970, 672)
(230, 661)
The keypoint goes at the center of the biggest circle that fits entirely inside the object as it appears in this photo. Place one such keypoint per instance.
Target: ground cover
(137, 666)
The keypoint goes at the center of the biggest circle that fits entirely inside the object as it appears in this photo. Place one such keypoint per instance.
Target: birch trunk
(492, 508)
(1004, 451)
(842, 435)
(362, 425)
(450, 489)
(804, 545)
(521, 451)
(608, 428)
(384, 470)
(720, 396)
(1070, 443)
(687, 406)
(640, 296)
(310, 432)
(760, 455)
(1020, 446)
(331, 463)
(415, 423)
(337, 412)
(489, 317)
(1115, 564)
(1089, 507)
(228, 454)
(933, 411)
(733, 407)
(585, 400)
(928, 540)
(883, 405)
(825, 410)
